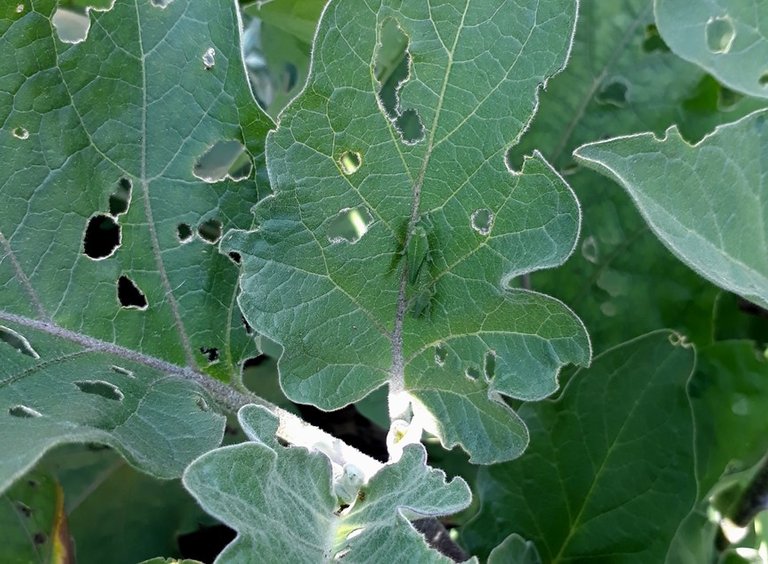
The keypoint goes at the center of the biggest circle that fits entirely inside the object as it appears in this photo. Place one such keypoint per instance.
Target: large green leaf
(705, 202)
(458, 335)
(283, 501)
(726, 37)
(622, 79)
(101, 141)
(610, 473)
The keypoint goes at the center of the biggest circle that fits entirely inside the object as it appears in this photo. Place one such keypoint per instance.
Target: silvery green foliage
(284, 507)
(102, 141)
(706, 202)
(326, 271)
(725, 37)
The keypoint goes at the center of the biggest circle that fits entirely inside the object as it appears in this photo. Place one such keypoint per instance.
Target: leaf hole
(100, 388)
(653, 41)
(441, 353)
(129, 295)
(349, 225)
(355, 533)
(350, 162)
(720, 34)
(101, 238)
(235, 257)
(614, 93)
(121, 198)
(39, 538)
(20, 133)
(24, 509)
(482, 221)
(19, 8)
(161, 3)
(23, 412)
(18, 342)
(210, 231)
(341, 554)
(392, 69)
(489, 367)
(202, 404)
(473, 373)
(209, 58)
(212, 354)
(70, 26)
(183, 232)
(255, 361)
(225, 159)
(122, 371)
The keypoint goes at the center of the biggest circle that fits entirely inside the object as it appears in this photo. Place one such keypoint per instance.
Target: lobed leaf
(705, 202)
(282, 504)
(622, 78)
(355, 176)
(612, 450)
(725, 37)
(107, 225)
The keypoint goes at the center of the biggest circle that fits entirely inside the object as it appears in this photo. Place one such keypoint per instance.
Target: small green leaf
(281, 501)
(726, 37)
(705, 202)
(340, 306)
(33, 522)
(610, 470)
(514, 550)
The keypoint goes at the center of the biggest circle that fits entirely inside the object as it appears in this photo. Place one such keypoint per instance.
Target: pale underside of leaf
(728, 38)
(707, 203)
(281, 502)
(341, 308)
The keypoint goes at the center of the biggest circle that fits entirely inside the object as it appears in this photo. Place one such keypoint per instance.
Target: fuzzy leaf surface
(103, 260)
(621, 79)
(707, 202)
(604, 457)
(281, 501)
(343, 306)
(728, 38)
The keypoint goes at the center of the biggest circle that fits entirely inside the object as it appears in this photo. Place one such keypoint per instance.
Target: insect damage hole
(183, 232)
(70, 26)
(224, 159)
(210, 231)
(349, 225)
(122, 371)
(489, 366)
(720, 34)
(120, 199)
(392, 69)
(101, 238)
(23, 412)
(441, 353)
(20, 133)
(18, 342)
(100, 388)
(482, 221)
(350, 162)
(129, 295)
(211, 353)
(209, 58)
